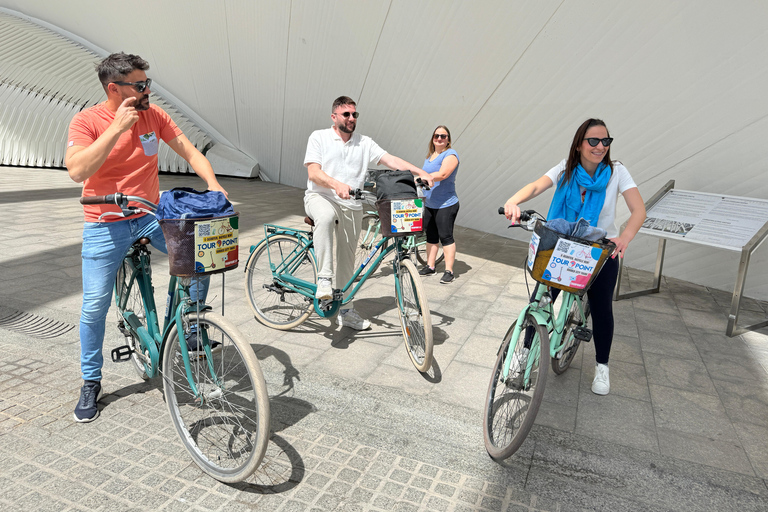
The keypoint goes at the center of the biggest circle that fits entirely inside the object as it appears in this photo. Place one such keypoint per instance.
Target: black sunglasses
(346, 115)
(140, 86)
(440, 136)
(592, 141)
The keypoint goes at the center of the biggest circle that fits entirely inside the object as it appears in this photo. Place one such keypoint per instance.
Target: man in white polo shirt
(337, 159)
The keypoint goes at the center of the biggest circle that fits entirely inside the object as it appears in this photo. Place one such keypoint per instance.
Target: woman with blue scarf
(588, 187)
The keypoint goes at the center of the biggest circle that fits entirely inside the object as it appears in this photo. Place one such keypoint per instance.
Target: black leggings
(438, 223)
(600, 296)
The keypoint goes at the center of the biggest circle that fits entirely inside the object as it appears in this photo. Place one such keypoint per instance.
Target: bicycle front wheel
(565, 355)
(225, 424)
(421, 250)
(512, 403)
(415, 319)
(273, 304)
(128, 298)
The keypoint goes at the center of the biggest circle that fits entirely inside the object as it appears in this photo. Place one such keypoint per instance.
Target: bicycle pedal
(122, 354)
(582, 333)
(338, 295)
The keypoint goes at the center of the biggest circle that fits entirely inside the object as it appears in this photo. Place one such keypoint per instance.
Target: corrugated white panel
(44, 81)
(680, 84)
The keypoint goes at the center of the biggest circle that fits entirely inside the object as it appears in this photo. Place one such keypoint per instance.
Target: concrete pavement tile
(478, 291)
(494, 324)
(451, 331)
(626, 349)
(692, 413)
(671, 344)
(558, 416)
(563, 389)
(479, 350)
(715, 321)
(736, 368)
(703, 449)
(671, 323)
(463, 384)
(617, 419)
(696, 300)
(752, 439)
(460, 308)
(745, 402)
(357, 360)
(654, 302)
(685, 374)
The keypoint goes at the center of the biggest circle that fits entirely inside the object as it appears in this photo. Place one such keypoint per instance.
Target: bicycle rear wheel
(128, 298)
(225, 426)
(421, 250)
(565, 355)
(511, 405)
(415, 319)
(273, 304)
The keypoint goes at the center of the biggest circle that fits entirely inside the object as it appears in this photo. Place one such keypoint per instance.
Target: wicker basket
(563, 261)
(400, 217)
(201, 246)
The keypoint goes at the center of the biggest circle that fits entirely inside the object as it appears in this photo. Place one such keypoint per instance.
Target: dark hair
(117, 66)
(431, 146)
(342, 100)
(574, 157)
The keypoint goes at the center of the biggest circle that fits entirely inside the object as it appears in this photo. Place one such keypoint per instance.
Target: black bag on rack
(395, 185)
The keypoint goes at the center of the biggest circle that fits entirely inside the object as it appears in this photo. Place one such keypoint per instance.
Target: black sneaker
(426, 271)
(196, 348)
(87, 409)
(447, 277)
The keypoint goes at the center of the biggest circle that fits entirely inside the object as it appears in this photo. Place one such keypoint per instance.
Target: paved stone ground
(354, 426)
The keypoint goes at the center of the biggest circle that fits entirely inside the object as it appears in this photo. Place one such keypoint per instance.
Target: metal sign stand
(732, 329)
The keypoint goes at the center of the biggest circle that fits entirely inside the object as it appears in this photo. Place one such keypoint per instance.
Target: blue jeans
(104, 246)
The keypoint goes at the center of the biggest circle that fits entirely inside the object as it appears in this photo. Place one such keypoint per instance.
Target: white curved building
(681, 84)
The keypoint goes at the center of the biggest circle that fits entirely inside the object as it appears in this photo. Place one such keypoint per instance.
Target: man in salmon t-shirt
(112, 147)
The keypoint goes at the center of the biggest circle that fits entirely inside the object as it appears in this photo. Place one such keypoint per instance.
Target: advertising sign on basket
(216, 244)
(572, 264)
(406, 215)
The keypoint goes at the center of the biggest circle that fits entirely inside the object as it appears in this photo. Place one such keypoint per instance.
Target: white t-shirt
(620, 182)
(344, 161)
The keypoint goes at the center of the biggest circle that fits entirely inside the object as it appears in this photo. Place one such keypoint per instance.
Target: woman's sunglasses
(440, 136)
(346, 115)
(592, 141)
(140, 86)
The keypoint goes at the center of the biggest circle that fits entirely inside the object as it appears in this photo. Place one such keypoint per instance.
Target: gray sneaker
(350, 318)
(87, 408)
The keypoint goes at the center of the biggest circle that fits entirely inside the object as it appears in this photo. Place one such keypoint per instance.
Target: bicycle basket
(201, 246)
(400, 217)
(563, 261)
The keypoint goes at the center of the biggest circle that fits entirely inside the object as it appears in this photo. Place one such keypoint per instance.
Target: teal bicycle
(212, 381)
(281, 277)
(539, 335)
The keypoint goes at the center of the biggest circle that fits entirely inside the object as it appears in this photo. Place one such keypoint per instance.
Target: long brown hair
(574, 157)
(431, 147)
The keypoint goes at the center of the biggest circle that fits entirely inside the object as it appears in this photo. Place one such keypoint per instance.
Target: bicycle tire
(369, 237)
(129, 299)
(571, 346)
(278, 307)
(421, 250)
(511, 407)
(226, 431)
(415, 318)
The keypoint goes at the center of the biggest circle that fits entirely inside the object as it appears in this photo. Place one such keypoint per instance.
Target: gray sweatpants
(325, 213)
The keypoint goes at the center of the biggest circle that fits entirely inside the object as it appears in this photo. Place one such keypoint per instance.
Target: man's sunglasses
(140, 86)
(440, 136)
(346, 115)
(592, 141)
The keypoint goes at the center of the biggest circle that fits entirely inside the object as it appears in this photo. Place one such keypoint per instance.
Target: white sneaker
(324, 289)
(519, 362)
(602, 383)
(350, 318)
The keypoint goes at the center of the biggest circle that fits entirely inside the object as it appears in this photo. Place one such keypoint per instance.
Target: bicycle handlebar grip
(525, 215)
(98, 199)
(422, 183)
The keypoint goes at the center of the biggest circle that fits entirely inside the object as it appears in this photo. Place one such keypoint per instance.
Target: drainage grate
(33, 325)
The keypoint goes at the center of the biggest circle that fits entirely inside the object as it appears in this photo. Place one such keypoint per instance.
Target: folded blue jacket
(579, 229)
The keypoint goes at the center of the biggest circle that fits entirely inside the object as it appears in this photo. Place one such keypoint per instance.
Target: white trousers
(325, 213)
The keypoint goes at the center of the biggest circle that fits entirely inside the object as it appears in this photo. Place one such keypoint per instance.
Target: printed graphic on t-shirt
(149, 141)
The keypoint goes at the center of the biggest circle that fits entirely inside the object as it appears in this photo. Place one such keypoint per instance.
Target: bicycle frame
(543, 312)
(282, 270)
(151, 337)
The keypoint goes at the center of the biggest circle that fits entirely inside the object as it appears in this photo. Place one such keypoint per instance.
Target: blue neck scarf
(567, 201)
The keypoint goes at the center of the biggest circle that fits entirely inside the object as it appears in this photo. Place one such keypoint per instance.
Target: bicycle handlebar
(122, 201)
(525, 215)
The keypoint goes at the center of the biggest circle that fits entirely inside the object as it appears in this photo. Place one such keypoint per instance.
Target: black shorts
(438, 224)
